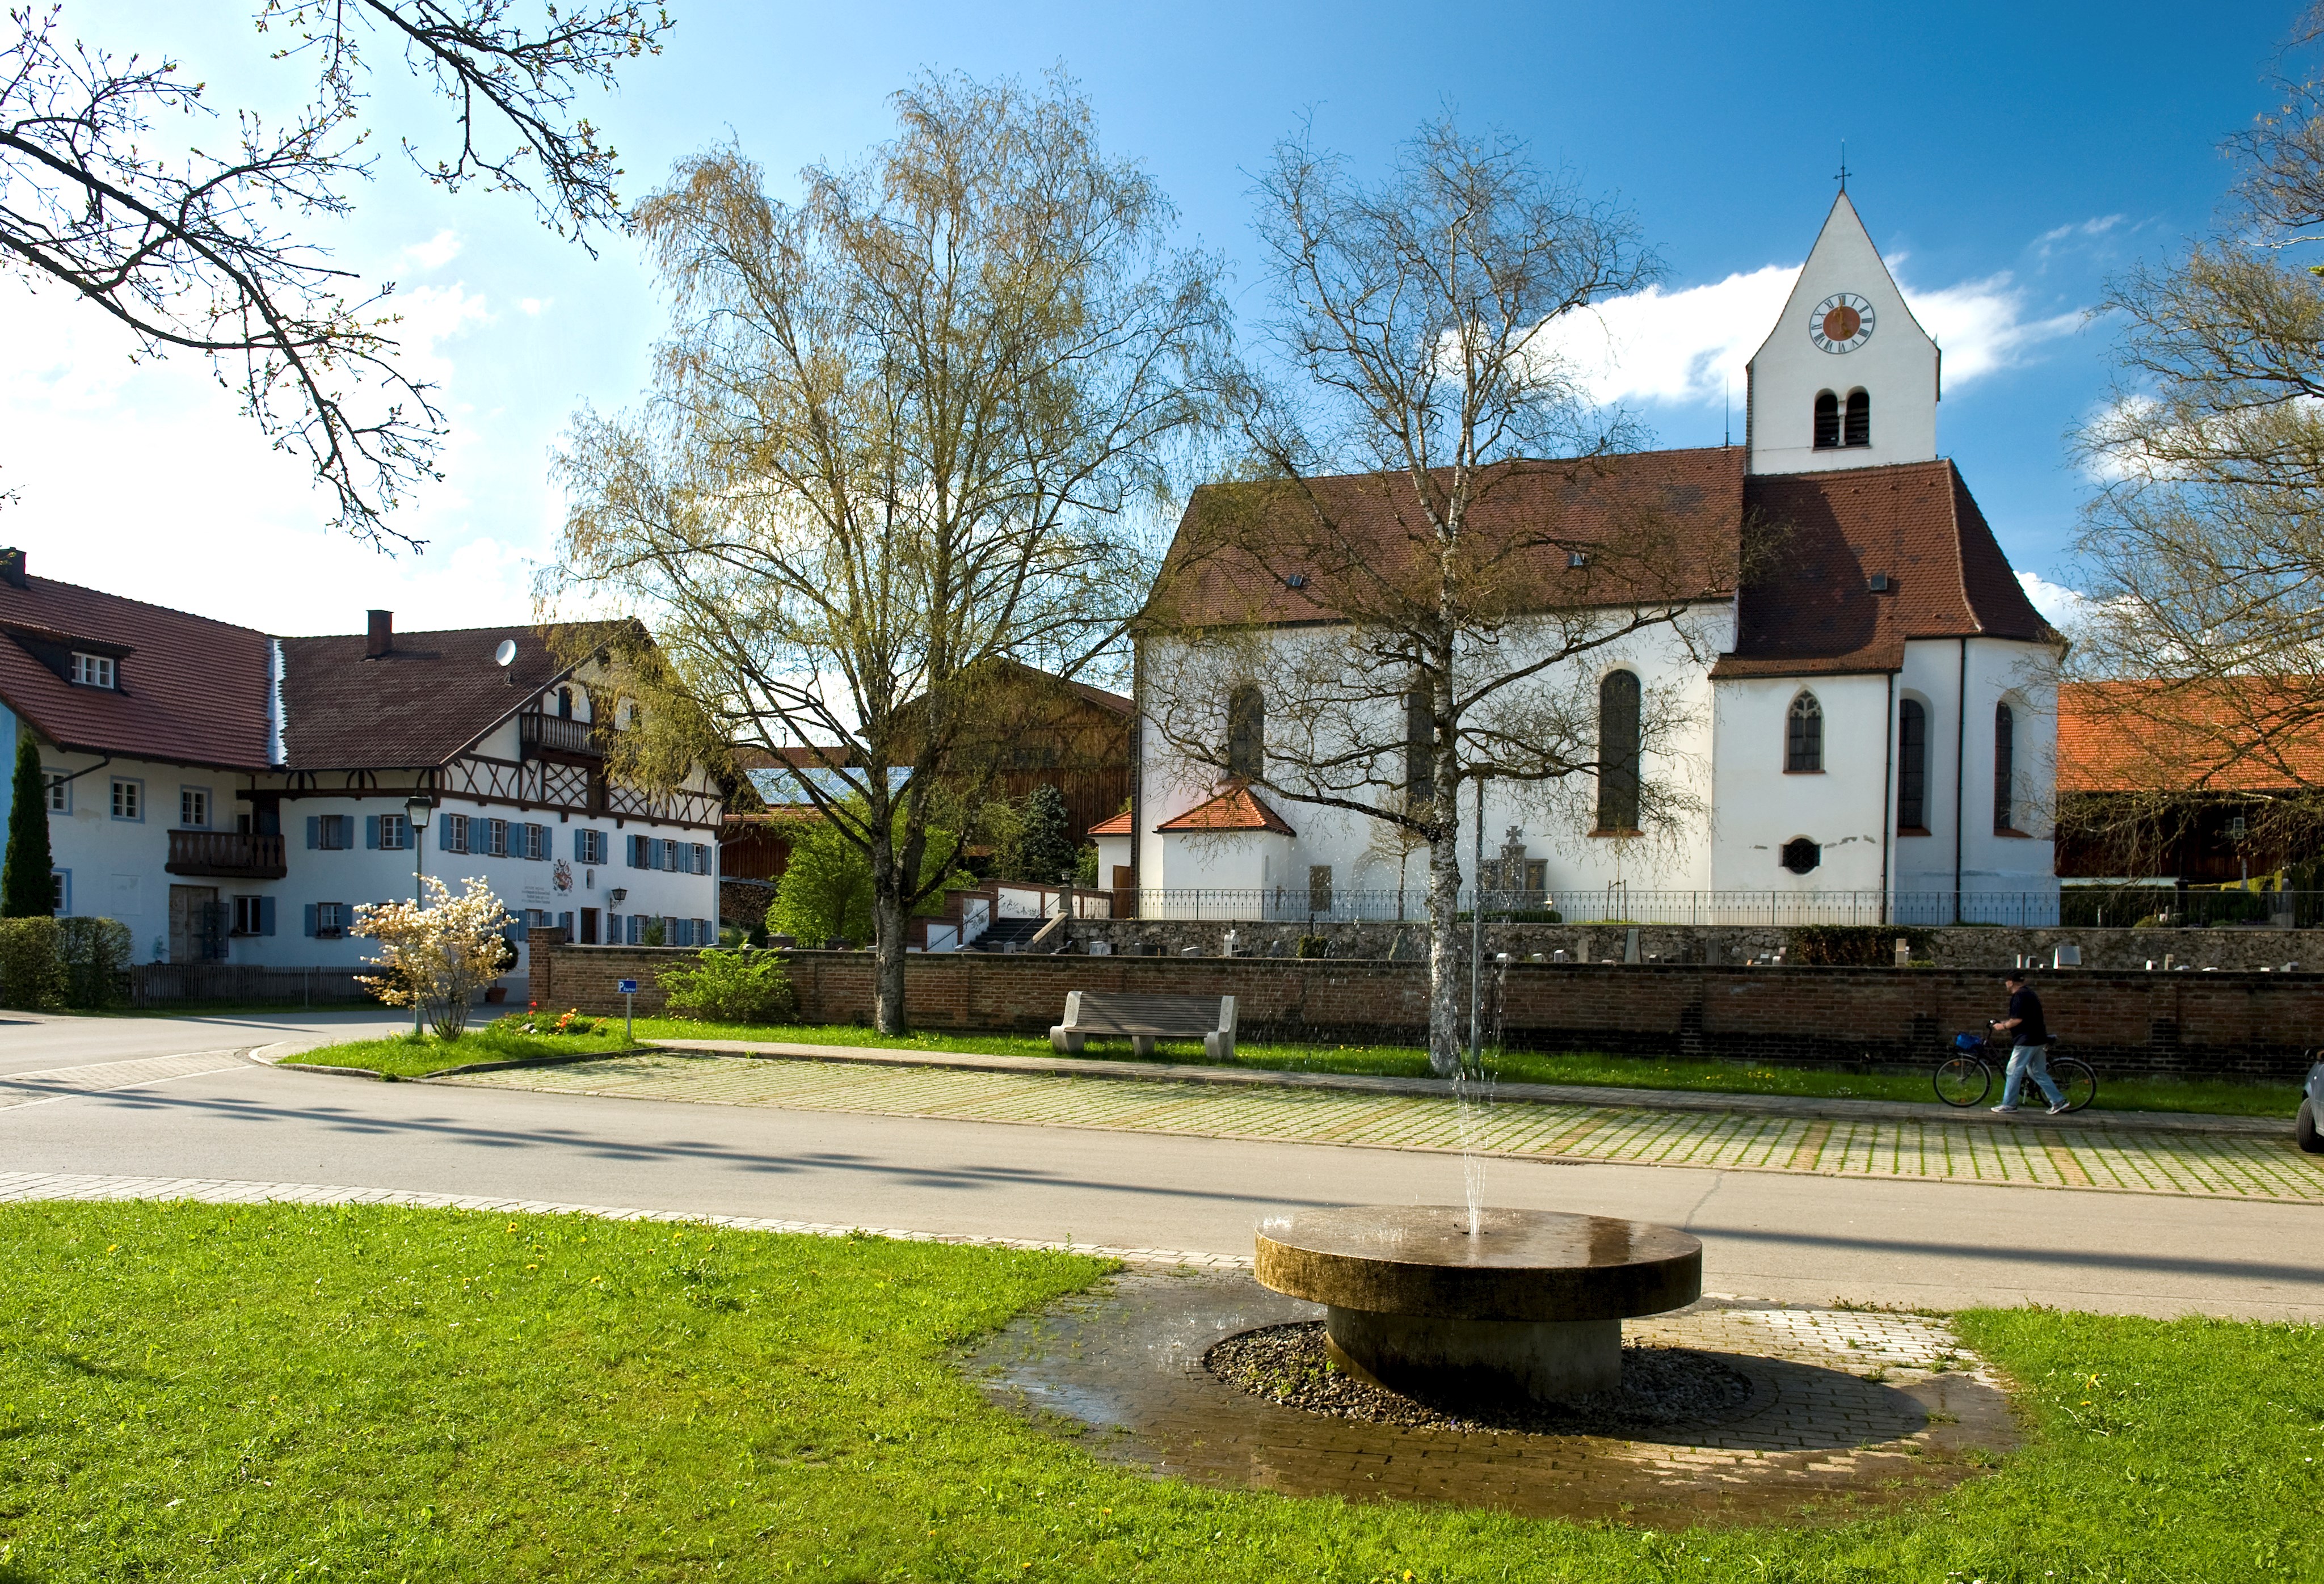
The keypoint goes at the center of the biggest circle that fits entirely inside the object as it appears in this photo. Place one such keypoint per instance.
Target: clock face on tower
(1842, 322)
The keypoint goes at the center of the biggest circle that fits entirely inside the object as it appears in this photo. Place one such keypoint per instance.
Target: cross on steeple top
(1842, 177)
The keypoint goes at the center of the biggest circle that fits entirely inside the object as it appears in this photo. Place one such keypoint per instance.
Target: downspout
(1960, 747)
(1137, 771)
(1887, 801)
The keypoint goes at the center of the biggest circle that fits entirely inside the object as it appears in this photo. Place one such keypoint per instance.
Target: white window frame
(93, 670)
(331, 920)
(135, 799)
(395, 833)
(186, 793)
(59, 789)
(60, 889)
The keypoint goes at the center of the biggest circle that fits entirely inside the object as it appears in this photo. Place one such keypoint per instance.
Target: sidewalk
(1567, 1094)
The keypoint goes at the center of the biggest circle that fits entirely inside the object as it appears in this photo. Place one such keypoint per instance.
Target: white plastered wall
(1761, 806)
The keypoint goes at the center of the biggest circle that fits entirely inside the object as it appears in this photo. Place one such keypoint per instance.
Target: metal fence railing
(1603, 905)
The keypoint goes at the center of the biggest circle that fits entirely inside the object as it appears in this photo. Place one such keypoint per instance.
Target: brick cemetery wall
(2244, 1024)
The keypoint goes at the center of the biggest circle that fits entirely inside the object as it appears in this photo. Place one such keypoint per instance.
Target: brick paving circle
(1850, 1411)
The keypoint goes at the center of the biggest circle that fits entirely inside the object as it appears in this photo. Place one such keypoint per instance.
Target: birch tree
(915, 422)
(1382, 581)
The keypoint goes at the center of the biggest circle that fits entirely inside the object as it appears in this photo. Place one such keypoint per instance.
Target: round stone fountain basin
(1531, 1304)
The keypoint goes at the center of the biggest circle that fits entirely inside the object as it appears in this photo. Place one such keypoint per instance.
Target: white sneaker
(2061, 1109)
(2006, 1111)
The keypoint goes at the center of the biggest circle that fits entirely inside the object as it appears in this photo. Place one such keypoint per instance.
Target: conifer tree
(1047, 848)
(26, 888)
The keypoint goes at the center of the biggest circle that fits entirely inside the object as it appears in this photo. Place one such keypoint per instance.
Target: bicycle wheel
(1963, 1081)
(2074, 1080)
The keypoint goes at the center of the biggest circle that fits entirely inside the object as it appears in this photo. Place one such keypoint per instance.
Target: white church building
(1865, 727)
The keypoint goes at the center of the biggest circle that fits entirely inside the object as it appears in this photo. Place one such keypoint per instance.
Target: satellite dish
(503, 655)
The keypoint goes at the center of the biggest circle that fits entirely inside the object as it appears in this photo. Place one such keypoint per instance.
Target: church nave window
(2005, 768)
(1804, 737)
(1856, 419)
(1247, 731)
(1827, 422)
(1912, 767)
(1618, 768)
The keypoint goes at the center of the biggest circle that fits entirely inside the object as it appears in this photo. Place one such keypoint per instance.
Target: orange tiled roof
(1119, 826)
(2151, 736)
(1236, 808)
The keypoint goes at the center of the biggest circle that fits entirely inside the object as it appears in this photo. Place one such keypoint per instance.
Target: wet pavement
(1850, 1411)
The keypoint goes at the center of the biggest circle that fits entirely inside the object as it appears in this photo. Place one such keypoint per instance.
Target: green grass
(278, 1393)
(408, 1055)
(2214, 1097)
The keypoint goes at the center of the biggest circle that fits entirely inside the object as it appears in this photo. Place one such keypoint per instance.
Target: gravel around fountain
(1287, 1365)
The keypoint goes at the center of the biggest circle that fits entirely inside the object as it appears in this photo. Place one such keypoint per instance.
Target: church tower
(1848, 378)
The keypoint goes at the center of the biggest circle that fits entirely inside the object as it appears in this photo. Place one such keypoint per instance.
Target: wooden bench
(1143, 1019)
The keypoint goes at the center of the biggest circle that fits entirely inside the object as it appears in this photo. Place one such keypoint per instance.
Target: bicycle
(1968, 1077)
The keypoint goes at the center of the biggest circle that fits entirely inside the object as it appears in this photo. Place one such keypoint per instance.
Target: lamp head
(419, 810)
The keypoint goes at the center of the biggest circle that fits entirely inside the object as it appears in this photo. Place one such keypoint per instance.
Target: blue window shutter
(313, 835)
(266, 915)
(371, 830)
(444, 834)
(310, 919)
(635, 848)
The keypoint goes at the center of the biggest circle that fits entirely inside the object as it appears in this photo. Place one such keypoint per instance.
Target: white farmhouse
(231, 797)
(1868, 727)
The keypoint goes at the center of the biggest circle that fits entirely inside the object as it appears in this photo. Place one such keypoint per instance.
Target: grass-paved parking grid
(242, 1392)
(2118, 1159)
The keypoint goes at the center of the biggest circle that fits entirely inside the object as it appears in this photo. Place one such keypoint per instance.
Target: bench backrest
(1121, 1012)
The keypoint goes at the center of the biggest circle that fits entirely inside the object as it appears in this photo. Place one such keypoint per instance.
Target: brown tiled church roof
(1814, 542)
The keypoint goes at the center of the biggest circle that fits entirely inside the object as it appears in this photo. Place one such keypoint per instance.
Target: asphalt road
(1770, 1235)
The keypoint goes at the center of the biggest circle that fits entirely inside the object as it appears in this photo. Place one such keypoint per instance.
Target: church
(1858, 726)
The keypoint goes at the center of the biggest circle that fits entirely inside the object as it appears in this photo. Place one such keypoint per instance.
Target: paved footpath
(2248, 1163)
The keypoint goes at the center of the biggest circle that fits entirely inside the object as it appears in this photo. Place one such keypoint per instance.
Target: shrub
(94, 958)
(1313, 946)
(32, 967)
(438, 956)
(1851, 946)
(730, 987)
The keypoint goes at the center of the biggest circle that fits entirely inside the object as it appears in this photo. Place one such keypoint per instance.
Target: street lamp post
(417, 812)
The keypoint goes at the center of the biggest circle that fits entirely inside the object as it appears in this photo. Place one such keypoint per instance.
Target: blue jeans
(2033, 1059)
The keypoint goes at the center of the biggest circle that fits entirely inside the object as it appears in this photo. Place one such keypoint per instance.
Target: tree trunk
(1444, 953)
(888, 919)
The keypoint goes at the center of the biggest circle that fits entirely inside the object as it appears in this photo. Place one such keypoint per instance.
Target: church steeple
(1847, 378)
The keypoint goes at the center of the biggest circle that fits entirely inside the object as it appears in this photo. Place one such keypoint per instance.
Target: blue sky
(2007, 158)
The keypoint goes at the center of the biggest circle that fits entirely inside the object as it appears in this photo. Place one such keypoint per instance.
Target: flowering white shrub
(438, 956)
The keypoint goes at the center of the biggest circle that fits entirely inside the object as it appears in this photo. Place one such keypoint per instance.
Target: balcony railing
(558, 735)
(233, 854)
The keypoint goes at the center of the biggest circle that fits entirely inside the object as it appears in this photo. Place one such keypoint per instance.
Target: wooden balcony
(555, 734)
(228, 854)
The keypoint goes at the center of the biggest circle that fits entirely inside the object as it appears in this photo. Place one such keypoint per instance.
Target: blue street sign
(627, 987)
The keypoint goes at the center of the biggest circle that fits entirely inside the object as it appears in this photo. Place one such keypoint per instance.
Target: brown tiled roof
(1236, 808)
(419, 704)
(1119, 826)
(191, 690)
(2159, 736)
(1808, 608)
(1239, 545)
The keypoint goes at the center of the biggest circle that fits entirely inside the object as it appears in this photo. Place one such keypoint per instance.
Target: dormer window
(92, 671)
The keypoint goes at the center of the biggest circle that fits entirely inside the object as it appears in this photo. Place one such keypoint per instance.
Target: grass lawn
(408, 1055)
(2135, 1094)
(196, 1392)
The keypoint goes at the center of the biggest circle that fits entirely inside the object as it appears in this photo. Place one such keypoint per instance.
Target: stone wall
(2246, 1023)
(1974, 947)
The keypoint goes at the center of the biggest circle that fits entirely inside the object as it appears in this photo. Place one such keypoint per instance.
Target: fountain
(1452, 1306)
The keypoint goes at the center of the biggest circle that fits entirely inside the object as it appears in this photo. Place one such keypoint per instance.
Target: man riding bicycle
(2029, 1049)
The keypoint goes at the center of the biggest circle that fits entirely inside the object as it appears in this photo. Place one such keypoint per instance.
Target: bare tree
(201, 252)
(1388, 585)
(2205, 541)
(901, 430)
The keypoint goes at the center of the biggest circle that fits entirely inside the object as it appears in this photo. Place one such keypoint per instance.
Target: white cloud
(2047, 243)
(435, 253)
(535, 305)
(2060, 606)
(1689, 347)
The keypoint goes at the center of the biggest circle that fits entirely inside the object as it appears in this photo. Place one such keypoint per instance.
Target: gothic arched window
(1247, 731)
(1617, 752)
(2004, 766)
(1419, 745)
(1911, 766)
(1856, 428)
(1804, 737)
(1827, 422)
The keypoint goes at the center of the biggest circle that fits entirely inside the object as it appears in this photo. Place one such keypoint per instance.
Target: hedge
(46, 963)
